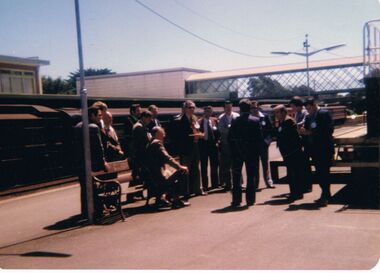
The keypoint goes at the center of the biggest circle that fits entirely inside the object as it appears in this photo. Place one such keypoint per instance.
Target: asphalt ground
(41, 231)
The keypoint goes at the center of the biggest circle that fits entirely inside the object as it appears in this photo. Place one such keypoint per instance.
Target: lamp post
(307, 54)
(86, 136)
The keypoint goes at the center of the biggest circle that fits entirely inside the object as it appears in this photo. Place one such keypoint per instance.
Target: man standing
(300, 114)
(113, 151)
(244, 138)
(155, 122)
(187, 137)
(208, 148)
(289, 143)
(141, 137)
(266, 130)
(98, 161)
(319, 130)
(224, 125)
(299, 111)
(135, 112)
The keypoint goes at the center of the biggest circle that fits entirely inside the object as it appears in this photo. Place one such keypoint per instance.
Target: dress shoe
(250, 203)
(202, 193)
(180, 204)
(271, 186)
(226, 189)
(235, 204)
(322, 202)
(293, 198)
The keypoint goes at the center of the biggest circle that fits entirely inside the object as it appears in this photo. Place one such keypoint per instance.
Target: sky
(124, 36)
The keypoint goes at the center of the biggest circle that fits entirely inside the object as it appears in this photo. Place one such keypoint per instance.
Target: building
(20, 75)
(164, 83)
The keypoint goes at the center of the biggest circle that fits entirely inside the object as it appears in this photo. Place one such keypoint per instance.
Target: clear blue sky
(125, 37)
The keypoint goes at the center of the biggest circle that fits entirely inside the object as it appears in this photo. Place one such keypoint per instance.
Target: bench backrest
(115, 167)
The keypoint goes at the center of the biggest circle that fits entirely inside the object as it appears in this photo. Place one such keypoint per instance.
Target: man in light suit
(224, 125)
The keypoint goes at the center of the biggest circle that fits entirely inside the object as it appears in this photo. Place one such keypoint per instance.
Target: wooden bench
(109, 192)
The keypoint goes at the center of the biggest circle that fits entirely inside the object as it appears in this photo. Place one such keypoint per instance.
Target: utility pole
(306, 46)
(86, 134)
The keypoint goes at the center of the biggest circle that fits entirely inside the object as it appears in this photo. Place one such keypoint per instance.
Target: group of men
(224, 143)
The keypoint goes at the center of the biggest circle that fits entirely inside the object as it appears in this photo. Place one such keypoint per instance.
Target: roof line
(24, 61)
(139, 73)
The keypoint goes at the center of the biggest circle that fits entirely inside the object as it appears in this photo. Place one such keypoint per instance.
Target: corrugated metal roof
(274, 69)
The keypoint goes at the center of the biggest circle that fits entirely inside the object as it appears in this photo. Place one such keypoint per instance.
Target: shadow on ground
(229, 209)
(39, 254)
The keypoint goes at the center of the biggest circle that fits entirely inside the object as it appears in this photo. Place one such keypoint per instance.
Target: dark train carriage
(34, 145)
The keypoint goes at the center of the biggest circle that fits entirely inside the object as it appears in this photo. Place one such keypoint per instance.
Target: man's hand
(107, 167)
(184, 169)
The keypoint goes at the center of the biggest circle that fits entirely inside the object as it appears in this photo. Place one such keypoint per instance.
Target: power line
(199, 37)
(230, 29)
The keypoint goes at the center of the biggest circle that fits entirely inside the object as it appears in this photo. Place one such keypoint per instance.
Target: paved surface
(38, 231)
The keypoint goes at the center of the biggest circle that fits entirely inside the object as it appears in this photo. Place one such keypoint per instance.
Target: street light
(307, 54)
(86, 134)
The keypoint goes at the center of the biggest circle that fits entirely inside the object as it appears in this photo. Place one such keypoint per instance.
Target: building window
(17, 82)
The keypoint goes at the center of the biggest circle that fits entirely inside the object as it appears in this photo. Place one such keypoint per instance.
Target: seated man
(157, 157)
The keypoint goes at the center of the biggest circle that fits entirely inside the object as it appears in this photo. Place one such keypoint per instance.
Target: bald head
(158, 133)
(107, 118)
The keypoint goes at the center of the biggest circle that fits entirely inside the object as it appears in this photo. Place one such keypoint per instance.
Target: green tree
(72, 78)
(55, 86)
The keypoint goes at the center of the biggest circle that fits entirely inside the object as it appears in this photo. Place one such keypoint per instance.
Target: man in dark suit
(208, 148)
(98, 161)
(289, 143)
(300, 113)
(244, 138)
(155, 122)
(319, 130)
(157, 159)
(135, 112)
(187, 137)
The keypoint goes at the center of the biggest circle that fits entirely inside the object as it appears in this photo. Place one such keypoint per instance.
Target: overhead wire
(199, 37)
(230, 29)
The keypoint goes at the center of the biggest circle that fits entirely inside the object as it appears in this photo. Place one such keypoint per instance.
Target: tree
(56, 86)
(262, 86)
(72, 80)
(68, 86)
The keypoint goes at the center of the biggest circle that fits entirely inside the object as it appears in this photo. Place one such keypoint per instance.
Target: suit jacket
(266, 128)
(185, 142)
(128, 127)
(288, 139)
(245, 136)
(155, 122)
(112, 146)
(96, 146)
(214, 130)
(141, 138)
(157, 157)
(322, 128)
(224, 125)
